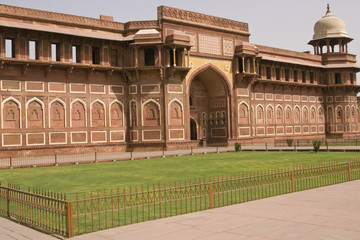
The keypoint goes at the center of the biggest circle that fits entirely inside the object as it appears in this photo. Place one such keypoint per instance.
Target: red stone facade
(181, 80)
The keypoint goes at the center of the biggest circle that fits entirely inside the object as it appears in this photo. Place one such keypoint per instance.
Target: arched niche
(35, 113)
(11, 117)
(176, 113)
(279, 115)
(78, 114)
(116, 114)
(98, 116)
(57, 114)
(151, 113)
(243, 113)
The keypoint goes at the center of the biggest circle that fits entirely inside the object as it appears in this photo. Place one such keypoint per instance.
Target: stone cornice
(201, 19)
(34, 14)
(134, 25)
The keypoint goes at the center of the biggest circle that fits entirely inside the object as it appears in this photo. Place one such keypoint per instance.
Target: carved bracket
(25, 67)
(173, 71)
(47, 70)
(129, 75)
(69, 71)
(89, 73)
(109, 74)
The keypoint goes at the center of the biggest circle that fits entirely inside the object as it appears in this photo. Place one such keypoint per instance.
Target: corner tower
(330, 32)
(330, 41)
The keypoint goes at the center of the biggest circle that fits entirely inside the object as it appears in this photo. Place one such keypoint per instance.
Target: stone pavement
(324, 213)
(319, 214)
(13, 231)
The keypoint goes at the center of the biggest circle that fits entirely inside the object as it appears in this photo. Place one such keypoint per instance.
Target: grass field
(70, 179)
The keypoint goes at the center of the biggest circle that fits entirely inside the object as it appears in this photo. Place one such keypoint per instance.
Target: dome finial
(328, 12)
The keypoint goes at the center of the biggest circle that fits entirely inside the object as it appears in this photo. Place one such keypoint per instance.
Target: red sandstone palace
(182, 80)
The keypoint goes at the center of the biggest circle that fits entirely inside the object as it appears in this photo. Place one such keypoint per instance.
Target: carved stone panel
(11, 115)
(279, 115)
(296, 115)
(133, 114)
(243, 114)
(57, 115)
(116, 112)
(78, 118)
(176, 114)
(151, 114)
(288, 115)
(34, 115)
(97, 115)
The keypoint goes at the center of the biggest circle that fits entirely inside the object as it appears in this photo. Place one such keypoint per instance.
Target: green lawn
(70, 179)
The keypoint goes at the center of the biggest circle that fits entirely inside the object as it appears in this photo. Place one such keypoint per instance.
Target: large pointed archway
(209, 104)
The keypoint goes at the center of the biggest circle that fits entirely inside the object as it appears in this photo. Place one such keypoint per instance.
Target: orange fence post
(210, 196)
(293, 181)
(8, 201)
(349, 171)
(69, 220)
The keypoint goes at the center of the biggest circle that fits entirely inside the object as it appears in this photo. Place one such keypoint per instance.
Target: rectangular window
(295, 76)
(287, 75)
(268, 73)
(241, 65)
(311, 77)
(277, 73)
(33, 50)
(149, 56)
(96, 55)
(351, 78)
(260, 71)
(55, 52)
(114, 57)
(337, 78)
(76, 54)
(9, 48)
(303, 76)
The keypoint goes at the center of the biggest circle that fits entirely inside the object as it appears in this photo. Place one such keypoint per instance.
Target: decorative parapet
(135, 25)
(201, 19)
(28, 13)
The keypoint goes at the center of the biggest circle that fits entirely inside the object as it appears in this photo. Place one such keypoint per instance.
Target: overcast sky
(278, 23)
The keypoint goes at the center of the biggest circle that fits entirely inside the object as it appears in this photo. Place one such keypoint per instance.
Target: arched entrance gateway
(209, 106)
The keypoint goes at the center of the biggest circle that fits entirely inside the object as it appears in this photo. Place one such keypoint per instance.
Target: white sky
(277, 23)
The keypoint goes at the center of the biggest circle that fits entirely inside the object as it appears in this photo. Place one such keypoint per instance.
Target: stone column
(328, 45)
(188, 58)
(136, 56)
(168, 57)
(236, 65)
(174, 57)
(243, 63)
(254, 65)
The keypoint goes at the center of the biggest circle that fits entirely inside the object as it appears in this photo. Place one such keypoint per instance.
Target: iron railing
(114, 208)
(43, 210)
(97, 211)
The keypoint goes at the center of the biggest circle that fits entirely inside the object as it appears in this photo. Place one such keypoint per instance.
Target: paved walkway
(323, 213)
(13, 231)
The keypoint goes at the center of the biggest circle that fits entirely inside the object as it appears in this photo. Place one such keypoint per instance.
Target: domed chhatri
(330, 32)
(329, 26)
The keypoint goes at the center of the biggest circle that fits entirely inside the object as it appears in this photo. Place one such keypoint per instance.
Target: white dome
(329, 26)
